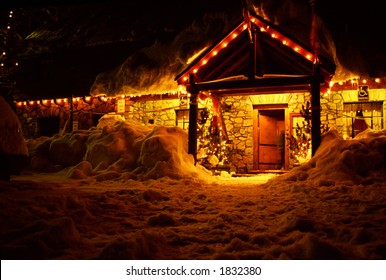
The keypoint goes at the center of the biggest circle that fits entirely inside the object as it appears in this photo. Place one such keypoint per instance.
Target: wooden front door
(270, 140)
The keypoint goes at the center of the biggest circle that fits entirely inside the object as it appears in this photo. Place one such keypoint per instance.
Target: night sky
(357, 29)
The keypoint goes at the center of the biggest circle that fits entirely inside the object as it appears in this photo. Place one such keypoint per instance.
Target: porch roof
(260, 58)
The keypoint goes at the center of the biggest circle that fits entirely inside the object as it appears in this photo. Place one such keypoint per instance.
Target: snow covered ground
(126, 191)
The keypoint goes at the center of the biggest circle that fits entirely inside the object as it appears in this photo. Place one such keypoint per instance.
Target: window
(182, 117)
(358, 116)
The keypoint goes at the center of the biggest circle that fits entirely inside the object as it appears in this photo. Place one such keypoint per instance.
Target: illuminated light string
(87, 99)
(5, 54)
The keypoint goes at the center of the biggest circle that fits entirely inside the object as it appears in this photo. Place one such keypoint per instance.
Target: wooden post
(193, 113)
(315, 107)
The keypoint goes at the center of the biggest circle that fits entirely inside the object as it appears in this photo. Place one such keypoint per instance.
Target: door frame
(256, 128)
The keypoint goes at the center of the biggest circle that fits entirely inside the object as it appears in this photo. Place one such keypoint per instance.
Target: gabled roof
(270, 54)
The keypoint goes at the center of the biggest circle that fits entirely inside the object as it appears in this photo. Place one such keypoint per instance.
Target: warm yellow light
(215, 53)
(296, 49)
(87, 98)
(262, 29)
(122, 96)
(285, 42)
(204, 62)
(4, 53)
(234, 35)
(245, 26)
(340, 83)
(308, 56)
(364, 81)
(185, 78)
(273, 35)
(16, 63)
(31, 103)
(224, 45)
(195, 70)
(331, 83)
(377, 80)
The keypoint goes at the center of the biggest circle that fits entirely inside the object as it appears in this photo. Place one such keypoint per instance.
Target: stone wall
(239, 125)
(85, 114)
(159, 111)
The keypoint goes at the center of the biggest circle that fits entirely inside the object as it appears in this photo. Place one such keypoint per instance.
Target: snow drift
(332, 207)
(116, 149)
